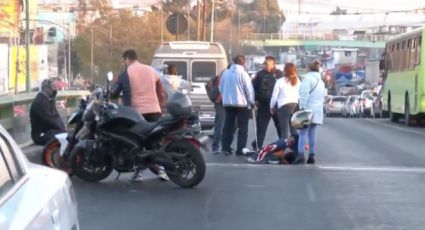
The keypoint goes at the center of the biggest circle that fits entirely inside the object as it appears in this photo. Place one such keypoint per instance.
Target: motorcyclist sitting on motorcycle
(44, 116)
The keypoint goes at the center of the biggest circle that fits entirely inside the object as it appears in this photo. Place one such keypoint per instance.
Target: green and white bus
(403, 93)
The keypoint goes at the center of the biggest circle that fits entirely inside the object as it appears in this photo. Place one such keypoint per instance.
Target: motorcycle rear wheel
(193, 163)
(84, 169)
(51, 157)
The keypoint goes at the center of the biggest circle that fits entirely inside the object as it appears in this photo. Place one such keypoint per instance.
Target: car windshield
(368, 95)
(339, 99)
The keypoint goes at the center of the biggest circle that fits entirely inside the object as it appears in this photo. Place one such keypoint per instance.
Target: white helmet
(302, 119)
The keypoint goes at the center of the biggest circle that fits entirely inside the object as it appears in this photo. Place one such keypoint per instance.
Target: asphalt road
(370, 174)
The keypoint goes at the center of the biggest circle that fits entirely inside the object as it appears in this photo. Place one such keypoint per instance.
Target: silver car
(33, 196)
(350, 107)
(334, 105)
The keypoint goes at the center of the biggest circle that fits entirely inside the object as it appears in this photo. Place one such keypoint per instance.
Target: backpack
(212, 88)
(265, 87)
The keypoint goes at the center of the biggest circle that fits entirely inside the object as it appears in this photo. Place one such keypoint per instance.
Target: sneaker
(247, 151)
(300, 160)
(310, 160)
(162, 175)
(252, 159)
(273, 160)
(215, 152)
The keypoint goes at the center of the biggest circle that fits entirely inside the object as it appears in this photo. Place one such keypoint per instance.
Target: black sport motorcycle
(124, 141)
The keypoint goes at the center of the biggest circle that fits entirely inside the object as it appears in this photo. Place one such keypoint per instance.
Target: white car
(33, 196)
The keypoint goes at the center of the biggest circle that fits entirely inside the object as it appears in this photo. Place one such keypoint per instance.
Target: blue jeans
(220, 115)
(311, 131)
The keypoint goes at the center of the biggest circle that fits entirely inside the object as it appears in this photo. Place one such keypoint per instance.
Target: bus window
(412, 53)
(406, 55)
(398, 60)
(181, 67)
(202, 71)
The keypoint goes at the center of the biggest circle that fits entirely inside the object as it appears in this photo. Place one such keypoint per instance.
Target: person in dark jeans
(219, 118)
(237, 96)
(263, 84)
(285, 96)
(44, 116)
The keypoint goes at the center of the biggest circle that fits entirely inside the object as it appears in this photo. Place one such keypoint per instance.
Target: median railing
(14, 111)
(316, 36)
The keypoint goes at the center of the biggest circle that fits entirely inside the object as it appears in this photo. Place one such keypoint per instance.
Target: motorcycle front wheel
(88, 169)
(51, 157)
(190, 165)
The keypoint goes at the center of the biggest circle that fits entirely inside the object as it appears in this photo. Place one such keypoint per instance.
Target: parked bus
(197, 62)
(403, 92)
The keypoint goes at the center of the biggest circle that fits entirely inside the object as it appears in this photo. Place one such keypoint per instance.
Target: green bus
(403, 93)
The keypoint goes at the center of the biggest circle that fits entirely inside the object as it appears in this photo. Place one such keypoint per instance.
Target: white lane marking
(394, 169)
(254, 185)
(311, 193)
(396, 127)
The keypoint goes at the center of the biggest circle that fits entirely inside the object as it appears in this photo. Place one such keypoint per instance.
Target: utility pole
(212, 21)
(188, 20)
(91, 56)
(27, 46)
(204, 35)
(239, 22)
(230, 39)
(198, 21)
(162, 21)
(299, 7)
(69, 56)
(110, 47)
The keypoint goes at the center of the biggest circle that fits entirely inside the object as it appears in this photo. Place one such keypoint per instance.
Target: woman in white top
(172, 82)
(286, 95)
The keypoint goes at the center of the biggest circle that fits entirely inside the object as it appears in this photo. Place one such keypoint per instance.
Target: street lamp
(104, 32)
(27, 45)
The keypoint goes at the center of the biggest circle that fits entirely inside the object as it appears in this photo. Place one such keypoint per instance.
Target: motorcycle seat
(144, 128)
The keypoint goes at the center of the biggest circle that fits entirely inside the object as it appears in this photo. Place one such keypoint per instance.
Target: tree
(129, 31)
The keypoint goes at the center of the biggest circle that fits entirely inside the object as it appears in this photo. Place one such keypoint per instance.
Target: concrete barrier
(14, 112)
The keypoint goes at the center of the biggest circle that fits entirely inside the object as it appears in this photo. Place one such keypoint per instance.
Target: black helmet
(179, 104)
(48, 87)
(301, 119)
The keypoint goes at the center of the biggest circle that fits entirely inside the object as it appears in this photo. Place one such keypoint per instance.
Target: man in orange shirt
(147, 94)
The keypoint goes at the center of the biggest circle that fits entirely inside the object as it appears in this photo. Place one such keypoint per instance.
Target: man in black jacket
(263, 83)
(45, 119)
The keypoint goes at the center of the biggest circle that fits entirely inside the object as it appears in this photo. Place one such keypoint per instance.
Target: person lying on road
(278, 152)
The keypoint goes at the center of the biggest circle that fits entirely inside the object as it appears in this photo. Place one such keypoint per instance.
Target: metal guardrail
(17, 122)
(316, 36)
